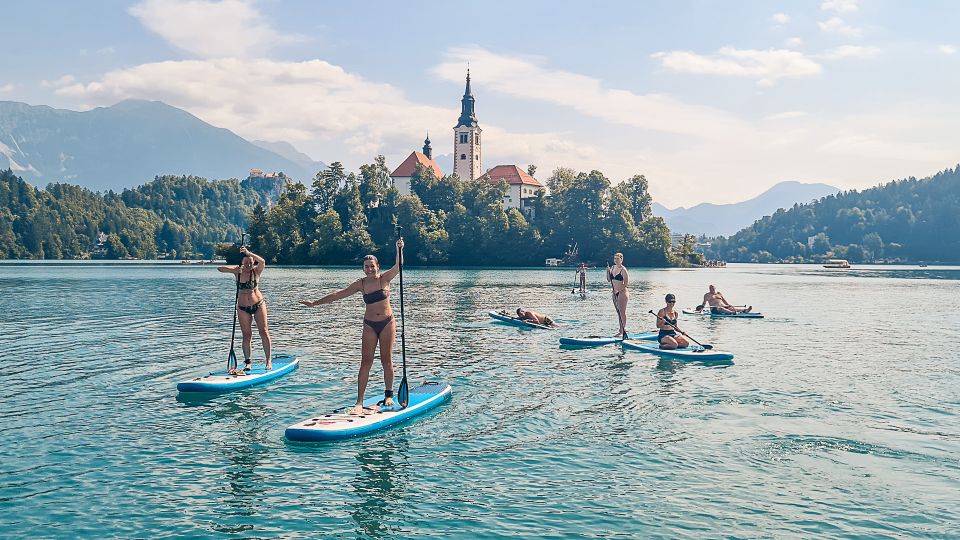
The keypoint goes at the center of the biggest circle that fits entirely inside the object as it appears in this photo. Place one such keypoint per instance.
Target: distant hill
(905, 220)
(126, 145)
(726, 219)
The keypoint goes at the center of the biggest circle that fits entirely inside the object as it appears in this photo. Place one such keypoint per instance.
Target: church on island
(467, 160)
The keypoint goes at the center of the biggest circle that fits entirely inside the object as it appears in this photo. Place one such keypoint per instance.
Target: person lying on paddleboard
(667, 317)
(379, 326)
(619, 278)
(718, 304)
(251, 306)
(534, 317)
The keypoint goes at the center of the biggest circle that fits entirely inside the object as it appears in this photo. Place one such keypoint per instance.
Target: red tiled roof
(511, 174)
(409, 165)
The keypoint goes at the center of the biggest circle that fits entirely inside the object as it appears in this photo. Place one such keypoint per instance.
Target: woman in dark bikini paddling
(250, 305)
(379, 325)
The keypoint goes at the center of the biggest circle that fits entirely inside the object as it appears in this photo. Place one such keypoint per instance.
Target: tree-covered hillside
(904, 220)
(180, 216)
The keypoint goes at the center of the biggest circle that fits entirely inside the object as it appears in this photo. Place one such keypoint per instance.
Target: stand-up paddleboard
(503, 317)
(340, 425)
(596, 341)
(751, 315)
(221, 381)
(692, 353)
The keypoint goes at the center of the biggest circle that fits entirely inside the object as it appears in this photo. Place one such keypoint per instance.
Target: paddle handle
(403, 331)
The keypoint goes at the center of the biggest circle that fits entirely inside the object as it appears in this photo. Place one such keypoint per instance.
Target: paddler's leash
(615, 306)
(403, 393)
(232, 357)
(705, 347)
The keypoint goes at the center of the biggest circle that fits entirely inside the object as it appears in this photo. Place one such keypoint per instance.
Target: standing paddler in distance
(250, 306)
(619, 279)
(582, 276)
(379, 325)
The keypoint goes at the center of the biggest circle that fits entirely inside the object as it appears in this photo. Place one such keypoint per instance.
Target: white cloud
(793, 43)
(61, 82)
(211, 29)
(836, 25)
(850, 51)
(780, 18)
(527, 78)
(313, 104)
(767, 65)
(948, 49)
(7, 88)
(787, 115)
(839, 6)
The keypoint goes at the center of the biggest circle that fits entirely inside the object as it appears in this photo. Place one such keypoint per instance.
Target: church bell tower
(466, 139)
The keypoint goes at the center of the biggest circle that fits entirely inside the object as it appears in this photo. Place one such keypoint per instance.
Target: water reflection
(379, 484)
(244, 448)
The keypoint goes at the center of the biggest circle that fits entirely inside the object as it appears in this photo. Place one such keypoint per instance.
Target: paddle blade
(403, 394)
(231, 361)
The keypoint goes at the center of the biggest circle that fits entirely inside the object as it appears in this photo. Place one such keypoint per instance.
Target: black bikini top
(375, 296)
(618, 277)
(250, 284)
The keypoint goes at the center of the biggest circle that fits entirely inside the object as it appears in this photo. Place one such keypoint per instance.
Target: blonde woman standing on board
(619, 278)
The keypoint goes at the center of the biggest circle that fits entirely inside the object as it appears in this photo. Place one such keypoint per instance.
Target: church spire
(468, 117)
(427, 151)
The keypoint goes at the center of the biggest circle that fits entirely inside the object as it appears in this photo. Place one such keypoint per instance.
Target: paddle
(403, 394)
(705, 347)
(232, 357)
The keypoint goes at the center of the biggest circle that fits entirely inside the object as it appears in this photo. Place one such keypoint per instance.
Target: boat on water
(836, 263)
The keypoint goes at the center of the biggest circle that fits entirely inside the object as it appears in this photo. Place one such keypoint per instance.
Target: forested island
(906, 220)
(337, 219)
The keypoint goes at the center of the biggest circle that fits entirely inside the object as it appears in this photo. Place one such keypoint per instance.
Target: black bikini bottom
(252, 310)
(378, 326)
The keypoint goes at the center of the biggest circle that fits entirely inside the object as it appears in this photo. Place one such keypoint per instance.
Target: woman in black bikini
(667, 317)
(379, 325)
(619, 278)
(250, 305)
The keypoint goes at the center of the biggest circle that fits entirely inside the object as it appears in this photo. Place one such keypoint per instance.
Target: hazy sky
(712, 101)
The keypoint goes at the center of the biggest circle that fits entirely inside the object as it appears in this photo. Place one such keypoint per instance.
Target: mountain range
(726, 219)
(127, 144)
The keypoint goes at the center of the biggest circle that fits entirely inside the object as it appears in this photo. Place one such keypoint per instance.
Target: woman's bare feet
(359, 409)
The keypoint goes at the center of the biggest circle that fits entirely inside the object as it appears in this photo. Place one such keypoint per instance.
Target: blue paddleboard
(693, 353)
(221, 381)
(340, 425)
(596, 341)
(517, 322)
(751, 315)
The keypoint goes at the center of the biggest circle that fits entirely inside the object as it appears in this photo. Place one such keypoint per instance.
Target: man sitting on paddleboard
(667, 317)
(534, 317)
(379, 325)
(719, 305)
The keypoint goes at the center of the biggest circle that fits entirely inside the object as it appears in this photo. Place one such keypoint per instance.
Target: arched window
(463, 156)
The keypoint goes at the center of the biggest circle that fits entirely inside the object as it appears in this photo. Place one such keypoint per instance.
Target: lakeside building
(467, 159)
(523, 187)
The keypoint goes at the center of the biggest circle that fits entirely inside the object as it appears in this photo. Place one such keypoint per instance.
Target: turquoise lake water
(839, 417)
